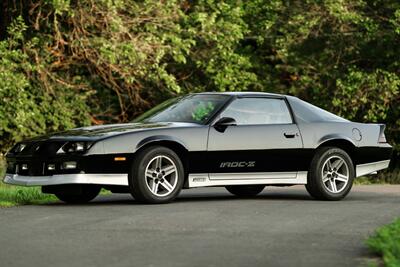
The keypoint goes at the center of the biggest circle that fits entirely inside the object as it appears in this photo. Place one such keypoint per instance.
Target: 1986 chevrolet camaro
(242, 141)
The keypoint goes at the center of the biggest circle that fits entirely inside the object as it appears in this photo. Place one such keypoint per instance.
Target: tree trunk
(3, 14)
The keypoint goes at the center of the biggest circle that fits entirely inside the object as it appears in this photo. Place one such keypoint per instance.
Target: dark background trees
(70, 63)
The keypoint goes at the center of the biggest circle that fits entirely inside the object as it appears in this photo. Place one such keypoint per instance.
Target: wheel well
(346, 145)
(179, 149)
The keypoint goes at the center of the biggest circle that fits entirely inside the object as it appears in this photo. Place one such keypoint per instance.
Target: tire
(83, 194)
(245, 190)
(327, 182)
(164, 179)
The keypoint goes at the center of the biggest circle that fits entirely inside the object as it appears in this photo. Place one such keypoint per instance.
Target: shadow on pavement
(188, 196)
(126, 199)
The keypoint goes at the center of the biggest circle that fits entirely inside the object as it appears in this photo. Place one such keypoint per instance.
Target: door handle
(289, 135)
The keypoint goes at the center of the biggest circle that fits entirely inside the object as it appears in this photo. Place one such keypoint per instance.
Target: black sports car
(242, 141)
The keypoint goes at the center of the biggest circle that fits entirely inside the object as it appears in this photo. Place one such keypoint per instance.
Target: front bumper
(88, 164)
(79, 178)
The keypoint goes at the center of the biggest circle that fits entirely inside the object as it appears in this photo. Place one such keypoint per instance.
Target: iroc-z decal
(238, 164)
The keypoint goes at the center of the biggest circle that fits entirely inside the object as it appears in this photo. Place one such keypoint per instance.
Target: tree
(108, 61)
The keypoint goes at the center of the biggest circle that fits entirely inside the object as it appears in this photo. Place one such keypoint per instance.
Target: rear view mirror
(224, 123)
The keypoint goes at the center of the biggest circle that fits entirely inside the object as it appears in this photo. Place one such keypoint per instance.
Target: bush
(28, 110)
(386, 243)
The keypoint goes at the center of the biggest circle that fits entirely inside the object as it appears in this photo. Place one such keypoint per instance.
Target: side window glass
(250, 111)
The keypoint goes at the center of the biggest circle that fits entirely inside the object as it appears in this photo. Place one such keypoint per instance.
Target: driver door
(265, 139)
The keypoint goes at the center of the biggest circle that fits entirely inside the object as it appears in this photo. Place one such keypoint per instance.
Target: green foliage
(340, 55)
(18, 107)
(386, 243)
(26, 108)
(70, 63)
(372, 90)
(202, 110)
(370, 97)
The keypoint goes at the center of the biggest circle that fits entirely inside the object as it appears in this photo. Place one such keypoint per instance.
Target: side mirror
(223, 123)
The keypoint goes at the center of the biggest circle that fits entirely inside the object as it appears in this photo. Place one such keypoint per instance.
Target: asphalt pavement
(203, 227)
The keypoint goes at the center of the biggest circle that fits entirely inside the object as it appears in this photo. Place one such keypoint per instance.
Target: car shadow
(218, 196)
(280, 197)
(126, 199)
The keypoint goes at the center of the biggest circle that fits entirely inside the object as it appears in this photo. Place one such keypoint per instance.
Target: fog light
(24, 167)
(51, 167)
(68, 165)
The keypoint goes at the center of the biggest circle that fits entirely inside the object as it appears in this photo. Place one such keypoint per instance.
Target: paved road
(204, 227)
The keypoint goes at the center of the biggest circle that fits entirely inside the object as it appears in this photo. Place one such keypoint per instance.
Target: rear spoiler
(382, 137)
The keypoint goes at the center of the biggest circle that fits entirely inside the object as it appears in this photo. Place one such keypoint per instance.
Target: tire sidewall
(317, 173)
(137, 178)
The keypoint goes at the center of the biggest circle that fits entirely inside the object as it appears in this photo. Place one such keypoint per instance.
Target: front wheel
(245, 190)
(331, 174)
(157, 175)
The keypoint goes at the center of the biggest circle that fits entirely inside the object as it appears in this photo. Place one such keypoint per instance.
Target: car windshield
(191, 108)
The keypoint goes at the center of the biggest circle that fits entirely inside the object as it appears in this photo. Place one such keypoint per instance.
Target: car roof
(242, 94)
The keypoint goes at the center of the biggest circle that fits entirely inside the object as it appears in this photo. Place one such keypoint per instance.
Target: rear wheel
(245, 190)
(157, 175)
(79, 194)
(331, 174)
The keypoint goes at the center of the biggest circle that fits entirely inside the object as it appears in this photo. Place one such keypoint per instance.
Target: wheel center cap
(159, 175)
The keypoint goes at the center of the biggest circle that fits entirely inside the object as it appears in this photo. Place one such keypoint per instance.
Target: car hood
(94, 133)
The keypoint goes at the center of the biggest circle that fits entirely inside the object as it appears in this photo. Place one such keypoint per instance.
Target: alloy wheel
(335, 174)
(161, 176)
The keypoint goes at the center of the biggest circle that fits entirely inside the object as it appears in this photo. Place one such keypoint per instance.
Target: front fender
(159, 138)
(190, 138)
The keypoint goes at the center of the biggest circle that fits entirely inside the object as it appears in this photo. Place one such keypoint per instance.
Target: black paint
(274, 160)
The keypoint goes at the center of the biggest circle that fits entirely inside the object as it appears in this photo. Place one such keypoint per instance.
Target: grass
(386, 243)
(20, 195)
(11, 195)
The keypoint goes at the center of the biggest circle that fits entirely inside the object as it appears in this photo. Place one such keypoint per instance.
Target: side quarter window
(253, 111)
